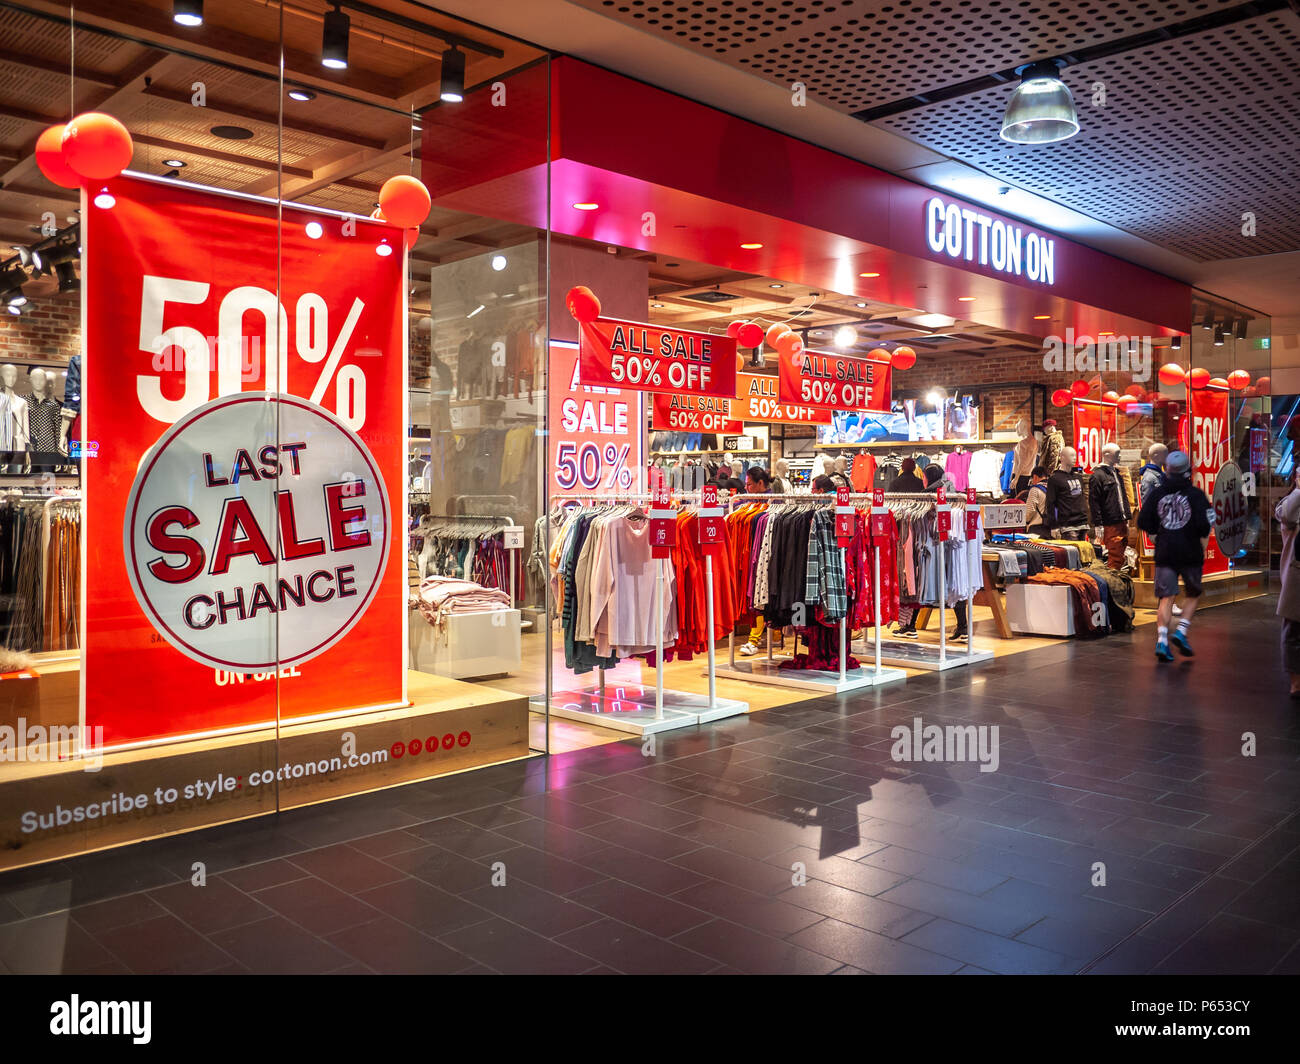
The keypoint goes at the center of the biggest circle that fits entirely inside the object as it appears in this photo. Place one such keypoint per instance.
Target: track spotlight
(334, 39)
(1241, 328)
(453, 76)
(68, 279)
(1175, 343)
(187, 12)
(1218, 337)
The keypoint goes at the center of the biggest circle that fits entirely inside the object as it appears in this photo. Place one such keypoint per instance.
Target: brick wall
(51, 329)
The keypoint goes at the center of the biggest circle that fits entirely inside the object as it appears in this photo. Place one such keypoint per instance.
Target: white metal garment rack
(639, 711)
(922, 655)
(768, 669)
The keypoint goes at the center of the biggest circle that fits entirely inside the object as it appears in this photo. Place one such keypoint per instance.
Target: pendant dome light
(1041, 110)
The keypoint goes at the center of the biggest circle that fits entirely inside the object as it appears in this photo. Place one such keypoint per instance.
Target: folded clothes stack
(440, 597)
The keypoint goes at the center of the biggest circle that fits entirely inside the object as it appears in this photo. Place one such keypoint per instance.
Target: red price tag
(970, 496)
(844, 517)
(942, 496)
(712, 535)
(878, 497)
(943, 522)
(972, 522)
(879, 523)
(663, 523)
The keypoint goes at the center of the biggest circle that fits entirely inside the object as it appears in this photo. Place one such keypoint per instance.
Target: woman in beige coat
(1287, 513)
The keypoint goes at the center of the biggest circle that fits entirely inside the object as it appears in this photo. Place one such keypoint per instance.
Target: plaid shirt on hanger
(825, 575)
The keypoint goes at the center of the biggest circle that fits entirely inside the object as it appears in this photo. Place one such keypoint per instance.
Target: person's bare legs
(1164, 612)
(1189, 609)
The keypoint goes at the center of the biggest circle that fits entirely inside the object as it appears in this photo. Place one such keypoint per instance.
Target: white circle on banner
(256, 532)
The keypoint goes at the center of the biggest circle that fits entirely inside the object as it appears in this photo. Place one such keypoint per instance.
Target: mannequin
(13, 420)
(1049, 451)
(44, 420)
(1026, 451)
(840, 472)
(781, 481)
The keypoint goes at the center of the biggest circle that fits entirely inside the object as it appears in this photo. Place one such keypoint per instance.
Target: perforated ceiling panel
(855, 54)
(1194, 133)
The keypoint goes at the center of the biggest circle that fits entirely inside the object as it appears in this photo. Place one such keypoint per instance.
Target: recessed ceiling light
(776, 286)
(315, 230)
(586, 206)
(965, 299)
(657, 306)
(175, 164)
(231, 132)
(498, 263)
(1042, 317)
(187, 12)
(868, 275)
(859, 305)
(301, 95)
(752, 246)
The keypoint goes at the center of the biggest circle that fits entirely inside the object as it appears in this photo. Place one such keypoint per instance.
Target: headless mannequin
(13, 420)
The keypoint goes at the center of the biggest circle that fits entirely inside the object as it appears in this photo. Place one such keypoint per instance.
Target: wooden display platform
(1220, 589)
(450, 726)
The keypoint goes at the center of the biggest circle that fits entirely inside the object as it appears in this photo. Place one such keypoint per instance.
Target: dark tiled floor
(785, 841)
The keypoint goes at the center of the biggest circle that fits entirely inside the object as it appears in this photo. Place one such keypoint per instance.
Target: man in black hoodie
(1179, 517)
(1065, 510)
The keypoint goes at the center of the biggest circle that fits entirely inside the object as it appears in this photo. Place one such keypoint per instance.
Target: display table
(1040, 609)
(470, 645)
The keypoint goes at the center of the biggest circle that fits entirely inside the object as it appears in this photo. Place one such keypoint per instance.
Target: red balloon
(1079, 389)
(740, 362)
(97, 146)
(879, 354)
(1135, 390)
(1172, 373)
(582, 303)
(378, 215)
(1200, 378)
(749, 335)
(1264, 386)
(734, 329)
(903, 358)
(405, 201)
(1218, 383)
(412, 235)
(1110, 397)
(775, 332)
(1061, 397)
(49, 157)
(789, 344)
(1238, 380)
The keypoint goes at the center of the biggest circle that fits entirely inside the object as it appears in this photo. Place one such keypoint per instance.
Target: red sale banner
(1094, 426)
(1208, 436)
(595, 440)
(841, 382)
(239, 527)
(694, 413)
(756, 400)
(653, 358)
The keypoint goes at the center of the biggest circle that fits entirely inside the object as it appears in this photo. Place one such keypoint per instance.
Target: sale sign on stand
(663, 522)
(879, 514)
(711, 525)
(1095, 425)
(972, 515)
(844, 515)
(827, 379)
(1208, 439)
(694, 413)
(595, 441)
(241, 522)
(942, 515)
(654, 358)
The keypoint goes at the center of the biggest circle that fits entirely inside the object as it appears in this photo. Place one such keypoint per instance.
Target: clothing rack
(473, 527)
(669, 709)
(768, 670)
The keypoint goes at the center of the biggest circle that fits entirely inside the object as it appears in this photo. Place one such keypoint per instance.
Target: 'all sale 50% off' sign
(246, 377)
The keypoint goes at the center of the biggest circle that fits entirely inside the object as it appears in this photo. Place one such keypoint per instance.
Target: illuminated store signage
(964, 233)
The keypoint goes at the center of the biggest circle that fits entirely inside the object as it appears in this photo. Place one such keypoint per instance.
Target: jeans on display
(1114, 539)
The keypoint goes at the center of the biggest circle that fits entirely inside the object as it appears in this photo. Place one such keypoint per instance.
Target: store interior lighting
(1041, 110)
(846, 336)
(935, 398)
(1241, 328)
(301, 95)
(1218, 336)
(498, 263)
(187, 12)
(453, 76)
(334, 39)
(1175, 343)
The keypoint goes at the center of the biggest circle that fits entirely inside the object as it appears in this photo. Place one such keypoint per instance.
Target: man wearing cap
(1109, 505)
(1178, 516)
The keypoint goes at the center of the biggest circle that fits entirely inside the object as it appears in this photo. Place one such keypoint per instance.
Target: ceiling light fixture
(334, 39)
(935, 398)
(1207, 324)
(776, 285)
(383, 249)
(965, 299)
(846, 336)
(187, 12)
(1041, 110)
(1042, 317)
(301, 95)
(453, 76)
(1175, 343)
(859, 305)
(104, 199)
(657, 306)
(752, 246)
(1241, 328)
(498, 263)
(1218, 337)
(868, 275)
(175, 164)
(67, 274)
(586, 206)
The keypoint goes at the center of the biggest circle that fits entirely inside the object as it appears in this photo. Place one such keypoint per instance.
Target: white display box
(1040, 609)
(470, 646)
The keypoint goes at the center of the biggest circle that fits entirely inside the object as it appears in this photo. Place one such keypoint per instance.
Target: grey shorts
(1167, 581)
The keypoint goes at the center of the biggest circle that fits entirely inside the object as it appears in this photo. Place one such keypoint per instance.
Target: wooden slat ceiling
(335, 150)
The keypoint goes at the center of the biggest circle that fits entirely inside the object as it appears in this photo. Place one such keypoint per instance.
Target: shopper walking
(1109, 505)
(1287, 513)
(1065, 511)
(1179, 517)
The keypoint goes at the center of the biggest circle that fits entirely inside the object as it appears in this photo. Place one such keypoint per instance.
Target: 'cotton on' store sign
(963, 233)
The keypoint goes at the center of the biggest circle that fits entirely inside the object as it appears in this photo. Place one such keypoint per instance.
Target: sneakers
(749, 650)
(960, 635)
(906, 631)
(1179, 639)
(1163, 653)
(1178, 610)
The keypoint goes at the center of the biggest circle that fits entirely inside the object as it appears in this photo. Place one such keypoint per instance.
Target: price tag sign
(663, 523)
(513, 537)
(712, 532)
(844, 517)
(943, 514)
(942, 496)
(1004, 515)
(879, 514)
(972, 515)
